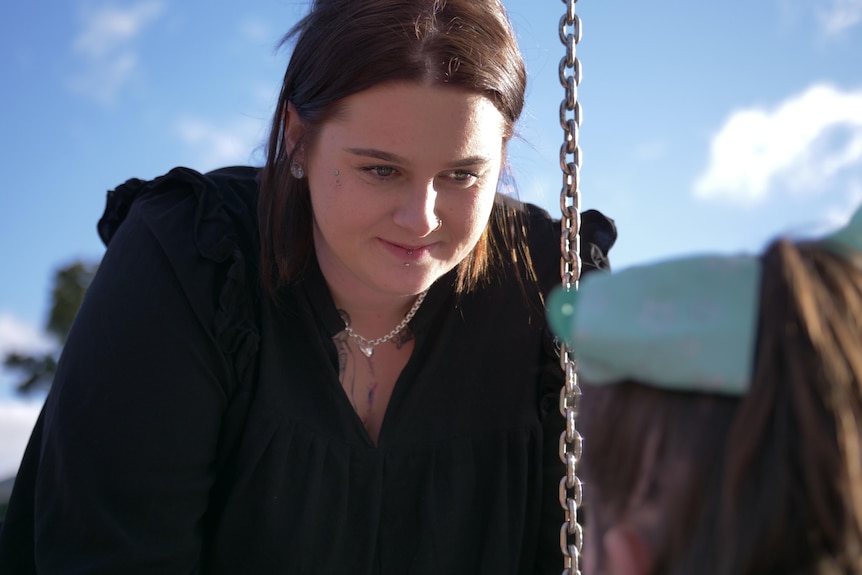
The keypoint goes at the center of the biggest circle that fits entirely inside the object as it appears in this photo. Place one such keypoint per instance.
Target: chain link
(571, 442)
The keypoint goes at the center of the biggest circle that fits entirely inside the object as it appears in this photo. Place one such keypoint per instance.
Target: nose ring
(438, 226)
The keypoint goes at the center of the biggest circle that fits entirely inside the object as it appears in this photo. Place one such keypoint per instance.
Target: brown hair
(767, 483)
(345, 46)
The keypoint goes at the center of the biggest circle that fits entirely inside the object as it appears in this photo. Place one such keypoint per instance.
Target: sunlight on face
(395, 159)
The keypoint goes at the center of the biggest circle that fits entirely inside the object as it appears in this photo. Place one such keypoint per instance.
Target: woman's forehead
(405, 119)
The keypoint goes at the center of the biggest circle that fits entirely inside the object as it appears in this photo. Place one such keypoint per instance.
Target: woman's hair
(343, 47)
(767, 483)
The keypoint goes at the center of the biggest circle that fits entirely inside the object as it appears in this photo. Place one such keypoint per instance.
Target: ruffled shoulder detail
(207, 227)
(598, 235)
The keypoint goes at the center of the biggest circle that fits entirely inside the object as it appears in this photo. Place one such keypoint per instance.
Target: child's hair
(767, 482)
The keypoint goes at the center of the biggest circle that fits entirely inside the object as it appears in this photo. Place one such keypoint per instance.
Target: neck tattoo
(366, 346)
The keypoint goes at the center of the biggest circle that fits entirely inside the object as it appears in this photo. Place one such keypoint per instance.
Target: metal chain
(571, 442)
(367, 345)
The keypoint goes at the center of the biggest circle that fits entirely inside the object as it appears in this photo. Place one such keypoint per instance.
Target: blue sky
(707, 126)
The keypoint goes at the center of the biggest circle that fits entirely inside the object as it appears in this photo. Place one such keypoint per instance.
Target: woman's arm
(132, 422)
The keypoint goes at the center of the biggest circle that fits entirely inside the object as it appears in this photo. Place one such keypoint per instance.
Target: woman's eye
(465, 176)
(380, 171)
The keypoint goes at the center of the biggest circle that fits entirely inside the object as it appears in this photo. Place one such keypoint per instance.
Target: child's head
(716, 444)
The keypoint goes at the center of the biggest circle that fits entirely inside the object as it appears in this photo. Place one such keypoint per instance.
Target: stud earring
(296, 170)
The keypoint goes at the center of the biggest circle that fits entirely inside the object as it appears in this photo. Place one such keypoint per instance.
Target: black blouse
(194, 427)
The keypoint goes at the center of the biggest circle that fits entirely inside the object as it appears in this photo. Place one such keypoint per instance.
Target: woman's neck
(373, 319)
(372, 312)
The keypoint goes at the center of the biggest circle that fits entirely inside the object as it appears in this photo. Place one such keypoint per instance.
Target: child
(722, 410)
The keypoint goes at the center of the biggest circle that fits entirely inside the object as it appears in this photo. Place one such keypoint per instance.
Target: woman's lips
(407, 252)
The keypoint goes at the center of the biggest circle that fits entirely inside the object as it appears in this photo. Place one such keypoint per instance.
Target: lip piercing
(406, 265)
(336, 172)
(409, 252)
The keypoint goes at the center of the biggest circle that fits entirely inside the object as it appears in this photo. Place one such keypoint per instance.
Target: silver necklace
(367, 346)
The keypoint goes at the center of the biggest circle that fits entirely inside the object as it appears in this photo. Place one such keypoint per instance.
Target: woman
(735, 385)
(338, 363)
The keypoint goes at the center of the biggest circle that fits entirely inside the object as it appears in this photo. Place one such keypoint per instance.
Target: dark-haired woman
(336, 364)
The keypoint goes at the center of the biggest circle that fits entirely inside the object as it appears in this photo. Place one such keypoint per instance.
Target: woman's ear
(626, 551)
(294, 129)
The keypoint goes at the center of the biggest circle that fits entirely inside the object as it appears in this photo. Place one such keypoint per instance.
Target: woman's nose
(417, 211)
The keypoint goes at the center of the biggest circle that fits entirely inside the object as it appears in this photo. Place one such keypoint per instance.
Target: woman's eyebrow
(396, 159)
(379, 154)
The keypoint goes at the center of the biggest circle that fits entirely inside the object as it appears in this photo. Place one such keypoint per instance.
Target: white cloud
(218, 145)
(21, 337)
(840, 15)
(110, 27)
(106, 45)
(16, 335)
(104, 81)
(799, 145)
(17, 418)
(257, 31)
(837, 216)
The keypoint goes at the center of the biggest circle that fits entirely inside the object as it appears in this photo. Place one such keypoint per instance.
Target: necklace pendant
(367, 346)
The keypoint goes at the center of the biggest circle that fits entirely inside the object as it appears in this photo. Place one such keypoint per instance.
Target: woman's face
(395, 159)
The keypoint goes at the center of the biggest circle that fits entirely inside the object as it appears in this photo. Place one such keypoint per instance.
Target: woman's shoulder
(204, 225)
(227, 196)
(598, 233)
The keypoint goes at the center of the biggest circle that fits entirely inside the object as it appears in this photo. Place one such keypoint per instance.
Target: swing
(571, 442)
